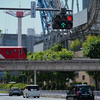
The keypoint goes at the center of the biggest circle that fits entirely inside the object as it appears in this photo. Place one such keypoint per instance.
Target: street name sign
(33, 9)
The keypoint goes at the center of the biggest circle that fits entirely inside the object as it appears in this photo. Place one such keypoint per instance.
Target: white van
(31, 91)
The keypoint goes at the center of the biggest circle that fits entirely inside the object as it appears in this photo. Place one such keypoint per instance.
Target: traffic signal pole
(37, 9)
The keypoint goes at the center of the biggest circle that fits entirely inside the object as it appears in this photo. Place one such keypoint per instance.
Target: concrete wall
(87, 78)
(79, 53)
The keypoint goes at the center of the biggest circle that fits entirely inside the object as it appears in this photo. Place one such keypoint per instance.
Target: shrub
(79, 82)
(93, 86)
(2, 86)
(68, 87)
(71, 83)
(85, 83)
(8, 86)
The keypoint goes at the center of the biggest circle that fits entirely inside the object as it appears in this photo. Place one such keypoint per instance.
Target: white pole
(19, 31)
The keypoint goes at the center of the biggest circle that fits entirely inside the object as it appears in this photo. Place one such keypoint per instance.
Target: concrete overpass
(62, 65)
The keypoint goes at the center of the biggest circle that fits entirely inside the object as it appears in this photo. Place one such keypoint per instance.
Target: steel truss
(51, 37)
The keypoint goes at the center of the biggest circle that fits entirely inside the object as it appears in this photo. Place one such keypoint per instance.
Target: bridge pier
(34, 77)
(69, 42)
(29, 77)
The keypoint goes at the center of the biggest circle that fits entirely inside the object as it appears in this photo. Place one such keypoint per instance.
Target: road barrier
(58, 93)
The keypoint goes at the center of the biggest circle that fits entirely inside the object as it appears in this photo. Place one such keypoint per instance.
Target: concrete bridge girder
(69, 65)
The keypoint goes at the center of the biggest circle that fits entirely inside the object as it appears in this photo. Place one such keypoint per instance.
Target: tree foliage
(53, 53)
(92, 49)
(75, 43)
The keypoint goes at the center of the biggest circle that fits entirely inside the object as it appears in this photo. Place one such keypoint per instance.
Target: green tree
(74, 43)
(92, 49)
(7, 76)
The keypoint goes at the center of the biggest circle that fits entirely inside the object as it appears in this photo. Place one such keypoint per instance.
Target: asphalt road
(4, 96)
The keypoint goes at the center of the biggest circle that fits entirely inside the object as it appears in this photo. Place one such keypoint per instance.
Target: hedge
(8, 86)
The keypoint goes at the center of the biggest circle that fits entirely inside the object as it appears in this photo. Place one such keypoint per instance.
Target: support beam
(34, 77)
(37, 9)
(29, 77)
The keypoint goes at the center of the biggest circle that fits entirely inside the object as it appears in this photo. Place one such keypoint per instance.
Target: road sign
(33, 9)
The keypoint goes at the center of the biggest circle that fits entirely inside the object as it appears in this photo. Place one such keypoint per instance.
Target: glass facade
(12, 40)
(86, 3)
(11, 43)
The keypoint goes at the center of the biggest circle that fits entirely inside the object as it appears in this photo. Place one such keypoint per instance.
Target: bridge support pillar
(29, 77)
(65, 43)
(82, 40)
(69, 42)
(44, 43)
(34, 77)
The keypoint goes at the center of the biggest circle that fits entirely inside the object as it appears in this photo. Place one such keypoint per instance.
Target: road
(4, 96)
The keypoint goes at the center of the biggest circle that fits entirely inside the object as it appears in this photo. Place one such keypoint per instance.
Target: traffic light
(62, 21)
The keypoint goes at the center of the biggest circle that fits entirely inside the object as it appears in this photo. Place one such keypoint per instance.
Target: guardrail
(58, 93)
(52, 93)
(61, 93)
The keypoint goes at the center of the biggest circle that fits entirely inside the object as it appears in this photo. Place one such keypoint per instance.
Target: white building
(32, 38)
(38, 47)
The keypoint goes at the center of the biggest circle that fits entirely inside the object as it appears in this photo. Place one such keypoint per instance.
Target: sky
(9, 24)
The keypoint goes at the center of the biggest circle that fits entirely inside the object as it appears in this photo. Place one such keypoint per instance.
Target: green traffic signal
(62, 21)
(63, 24)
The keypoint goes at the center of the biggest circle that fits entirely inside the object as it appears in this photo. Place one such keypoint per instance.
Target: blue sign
(33, 9)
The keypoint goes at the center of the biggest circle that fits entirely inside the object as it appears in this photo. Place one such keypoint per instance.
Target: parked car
(31, 91)
(14, 91)
(80, 92)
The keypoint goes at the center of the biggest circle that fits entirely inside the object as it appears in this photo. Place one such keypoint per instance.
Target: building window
(77, 73)
(83, 77)
(20, 51)
(10, 51)
(6, 51)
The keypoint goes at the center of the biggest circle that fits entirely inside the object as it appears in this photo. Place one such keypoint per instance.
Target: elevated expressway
(62, 65)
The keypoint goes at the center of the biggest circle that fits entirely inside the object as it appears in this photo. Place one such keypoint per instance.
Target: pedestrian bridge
(62, 65)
